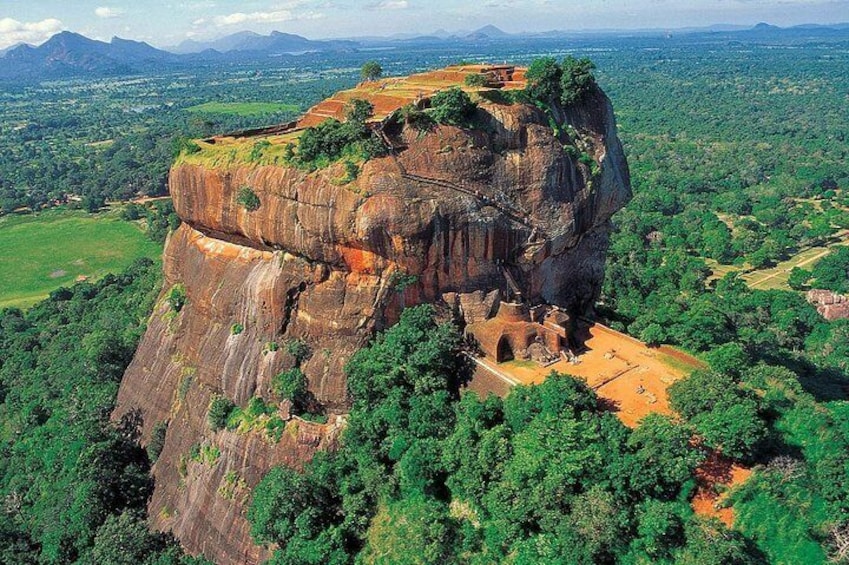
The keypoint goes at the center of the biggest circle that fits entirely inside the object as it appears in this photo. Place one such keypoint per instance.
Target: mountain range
(274, 44)
(70, 54)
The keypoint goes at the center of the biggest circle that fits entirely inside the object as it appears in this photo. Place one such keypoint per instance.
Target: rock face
(451, 213)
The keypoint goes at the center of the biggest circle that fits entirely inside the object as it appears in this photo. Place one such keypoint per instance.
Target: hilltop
(291, 262)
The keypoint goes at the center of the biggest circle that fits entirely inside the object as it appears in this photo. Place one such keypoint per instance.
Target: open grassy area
(226, 151)
(776, 277)
(243, 108)
(52, 249)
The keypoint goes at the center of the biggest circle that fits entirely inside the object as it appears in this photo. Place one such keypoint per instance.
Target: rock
(319, 263)
(830, 305)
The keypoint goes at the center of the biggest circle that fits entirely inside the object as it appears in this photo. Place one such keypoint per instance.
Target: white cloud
(107, 12)
(274, 16)
(390, 5)
(13, 31)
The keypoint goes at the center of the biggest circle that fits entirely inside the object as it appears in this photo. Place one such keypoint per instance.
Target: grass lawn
(776, 277)
(52, 249)
(243, 108)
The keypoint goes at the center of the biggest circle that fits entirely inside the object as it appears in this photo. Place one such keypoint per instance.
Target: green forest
(75, 485)
(737, 159)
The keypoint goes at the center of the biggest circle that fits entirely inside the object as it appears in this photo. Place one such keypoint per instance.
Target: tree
(729, 358)
(544, 80)
(600, 520)
(413, 531)
(660, 528)
(711, 543)
(724, 414)
(832, 271)
(663, 458)
(371, 70)
(359, 110)
(798, 278)
(126, 540)
(452, 106)
(577, 79)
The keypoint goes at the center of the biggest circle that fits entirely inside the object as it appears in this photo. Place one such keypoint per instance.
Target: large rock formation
(326, 263)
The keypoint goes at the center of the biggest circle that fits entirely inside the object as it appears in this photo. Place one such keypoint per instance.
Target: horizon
(167, 24)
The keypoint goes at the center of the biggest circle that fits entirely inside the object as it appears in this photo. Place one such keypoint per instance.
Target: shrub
(415, 118)
(236, 329)
(476, 80)
(184, 145)
(219, 411)
(157, 440)
(351, 171)
(452, 106)
(299, 349)
(177, 297)
(258, 149)
(132, 212)
(248, 199)
(401, 281)
(291, 385)
(331, 139)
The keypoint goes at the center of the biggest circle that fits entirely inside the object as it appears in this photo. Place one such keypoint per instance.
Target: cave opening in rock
(505, 350)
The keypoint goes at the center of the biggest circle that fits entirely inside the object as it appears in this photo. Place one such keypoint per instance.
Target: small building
(519, 332)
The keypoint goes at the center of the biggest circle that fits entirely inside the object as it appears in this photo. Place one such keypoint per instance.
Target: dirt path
(787, 270)
(716, 477)
(841, 239)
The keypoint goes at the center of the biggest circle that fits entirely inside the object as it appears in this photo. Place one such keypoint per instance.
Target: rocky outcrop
(830, 305)
(452, 213)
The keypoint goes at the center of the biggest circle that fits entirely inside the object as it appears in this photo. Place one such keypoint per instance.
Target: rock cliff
(325, 263)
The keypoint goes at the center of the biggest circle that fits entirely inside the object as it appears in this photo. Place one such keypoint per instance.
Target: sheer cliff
(323, 261)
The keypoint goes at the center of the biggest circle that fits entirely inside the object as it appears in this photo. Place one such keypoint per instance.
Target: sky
(168, 22)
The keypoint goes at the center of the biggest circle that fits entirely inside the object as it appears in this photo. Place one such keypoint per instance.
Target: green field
(45, 251)
(243, 108)
(776, 277)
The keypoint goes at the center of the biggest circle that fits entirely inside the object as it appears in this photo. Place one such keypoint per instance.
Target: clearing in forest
(775, 278)
(629, 376)
(243, 108)
(44, 251)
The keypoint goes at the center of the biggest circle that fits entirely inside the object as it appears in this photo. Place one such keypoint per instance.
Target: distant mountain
(274, 44)
(488, 32)
(68, 53)
(765, 31)
(9, 48)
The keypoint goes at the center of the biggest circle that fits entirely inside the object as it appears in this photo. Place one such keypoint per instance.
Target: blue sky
(167, 22)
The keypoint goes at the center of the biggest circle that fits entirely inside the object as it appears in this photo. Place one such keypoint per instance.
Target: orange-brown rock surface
(321, 260)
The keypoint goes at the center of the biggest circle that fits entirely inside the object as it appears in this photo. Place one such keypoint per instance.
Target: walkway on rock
(515, 215)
